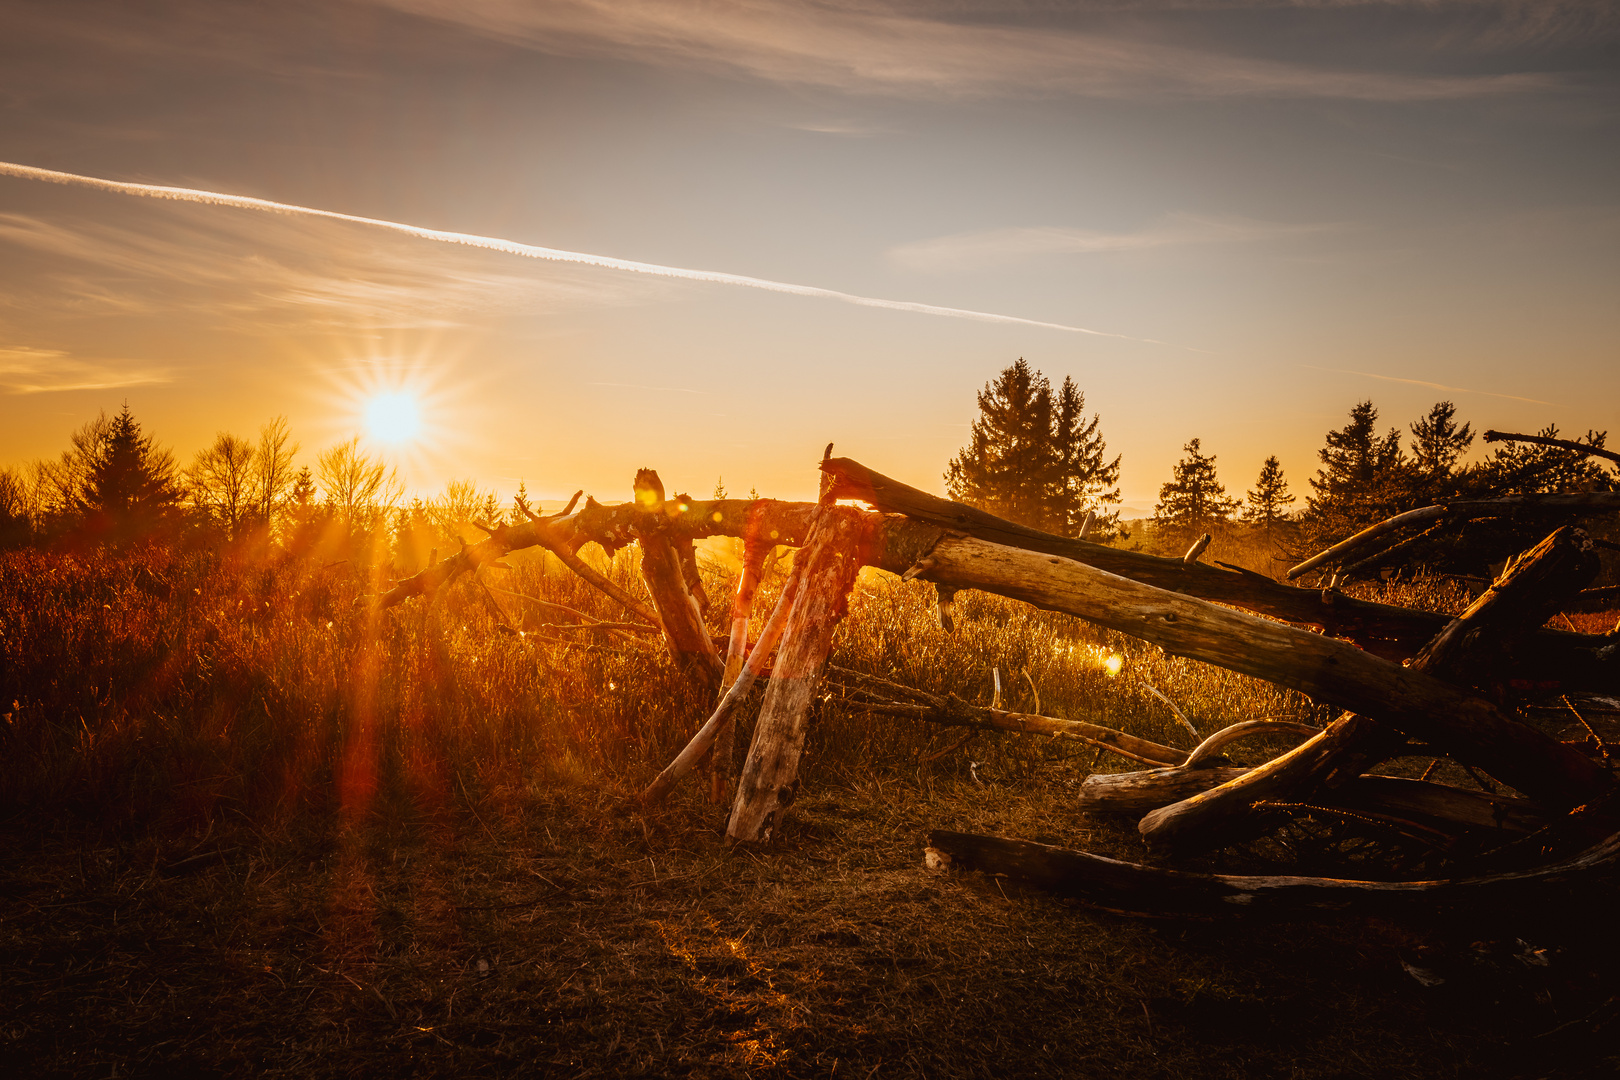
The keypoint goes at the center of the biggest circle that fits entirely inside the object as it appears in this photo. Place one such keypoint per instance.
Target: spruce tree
(1194, 500)
(1034, 460)
(1438, 443)
(130, 491)
(1364, 478)
(1268, 500)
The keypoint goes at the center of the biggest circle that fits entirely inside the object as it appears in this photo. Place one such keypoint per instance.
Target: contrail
(531, 251)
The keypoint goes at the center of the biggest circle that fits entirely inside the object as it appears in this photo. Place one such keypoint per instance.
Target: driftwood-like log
(830, 560)
(1433, 805)
(1593, 502)
(1543, 440)
(724, 715)
(663, 568)
(1395, 630)
(742, 609)
(1521, 599)
(1146, 890)
(1467, 725)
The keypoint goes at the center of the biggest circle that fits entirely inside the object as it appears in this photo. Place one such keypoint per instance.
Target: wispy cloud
(1431, 385)
(534, 251)
(917, 50)
(25, 370)
(992, 247)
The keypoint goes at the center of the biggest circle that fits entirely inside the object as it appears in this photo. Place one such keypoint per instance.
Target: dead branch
(1542, 440)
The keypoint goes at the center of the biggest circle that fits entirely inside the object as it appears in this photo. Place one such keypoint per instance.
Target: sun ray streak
(532, 251)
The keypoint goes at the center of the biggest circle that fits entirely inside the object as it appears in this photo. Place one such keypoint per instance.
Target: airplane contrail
(512, 247)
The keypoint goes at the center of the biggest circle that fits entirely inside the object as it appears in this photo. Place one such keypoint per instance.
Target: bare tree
(358, 489)
(221, 481)
(273, 469)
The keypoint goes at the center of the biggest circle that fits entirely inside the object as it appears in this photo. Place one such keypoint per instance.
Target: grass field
(252, 825)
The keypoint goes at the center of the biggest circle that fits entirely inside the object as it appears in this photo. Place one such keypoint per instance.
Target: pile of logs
(1410, 683)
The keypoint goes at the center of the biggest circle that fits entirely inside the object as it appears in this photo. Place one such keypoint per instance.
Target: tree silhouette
(1269, 499)
(1034, 460)
(1363, 479)
(1194, 500)
(1437, 445)
(130, 490)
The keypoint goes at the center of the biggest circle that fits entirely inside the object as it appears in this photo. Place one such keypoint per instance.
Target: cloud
(1431, 385)
(992, 247)
(25, 370)
(941, 51)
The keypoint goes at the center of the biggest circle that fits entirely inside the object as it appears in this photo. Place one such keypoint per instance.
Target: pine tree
(1032, 460)
(1532, 469)
(1363, 479)
(1194, 500)
(1268, 500)
(1437, 445)
(131, 490)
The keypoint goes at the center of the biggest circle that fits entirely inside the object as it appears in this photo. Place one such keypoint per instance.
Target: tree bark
(1135, 889)
(1467, 725)
(830, 561)
(1519, 601)
(742, 609)
(662, 567)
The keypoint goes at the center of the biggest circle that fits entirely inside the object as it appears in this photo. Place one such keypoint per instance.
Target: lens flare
(393, 418)
(1113, 664)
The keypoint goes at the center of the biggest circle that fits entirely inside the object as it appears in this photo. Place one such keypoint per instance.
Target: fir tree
(1363, 479)
(1032, 460)
(130, 491)
(1268, 500)
(1194, 500)
(1437, 445)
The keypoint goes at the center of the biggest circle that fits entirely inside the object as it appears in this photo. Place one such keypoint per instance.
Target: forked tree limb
(723, 717)
(1593, 502)
(831, 558)
(1136, 889)
(1521, 599)
(1466, 724)
(1384, 627)
(663, 567)
(1543, 440)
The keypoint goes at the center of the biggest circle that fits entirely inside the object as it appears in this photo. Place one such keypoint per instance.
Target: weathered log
(1521, 599)
(724, 715)
(742, 609)
(957, 713)
(1387, 796)
(1146, 890)
(1467, 725)
(1208, 750)
(1543, 440)
(1398, 631)
(1593, 502)
(663, 559)
(830, 560)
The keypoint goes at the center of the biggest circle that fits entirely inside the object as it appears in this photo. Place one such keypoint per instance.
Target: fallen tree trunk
(1465, 724)
(1519, 600)
(663, 568)
(830, 560)
(742, 609)
(1145, 890)
(1139, 792)
(1590, 502)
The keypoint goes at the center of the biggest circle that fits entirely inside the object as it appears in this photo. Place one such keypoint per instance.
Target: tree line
(115, 486)
(1034, 458)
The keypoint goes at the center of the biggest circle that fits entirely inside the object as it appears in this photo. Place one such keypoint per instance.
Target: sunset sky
(1264, 211)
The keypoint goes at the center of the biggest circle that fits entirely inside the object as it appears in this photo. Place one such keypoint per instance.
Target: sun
(393, 417)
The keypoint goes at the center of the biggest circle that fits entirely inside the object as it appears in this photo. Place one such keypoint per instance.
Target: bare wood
(1520, 599)
(1543, 440)
(1391, 630)
(1197, 550)
(1589, 502)
(742, 609)
(724, 714)
(1212, 746)
(1131, 887)
(662, 568)
(1466, 724)
(831, 559)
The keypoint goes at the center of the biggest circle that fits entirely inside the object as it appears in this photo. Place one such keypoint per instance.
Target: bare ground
(556, 932)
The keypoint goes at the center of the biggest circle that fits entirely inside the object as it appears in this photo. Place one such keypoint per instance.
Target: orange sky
(1278, 208)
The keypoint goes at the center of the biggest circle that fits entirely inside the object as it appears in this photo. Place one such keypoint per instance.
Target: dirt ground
(558, 933)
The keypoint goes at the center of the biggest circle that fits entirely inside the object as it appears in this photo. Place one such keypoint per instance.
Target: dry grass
(251, 828)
